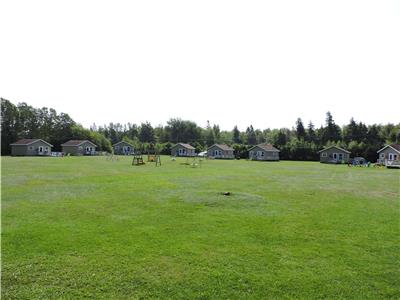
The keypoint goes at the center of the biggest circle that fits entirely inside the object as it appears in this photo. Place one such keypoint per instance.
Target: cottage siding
(227, 154)
(119, 148)
(73, 150)
(188, 152)
(326, 156)
(20, 150)
(31, 149)
(385, 152)
(268, 155)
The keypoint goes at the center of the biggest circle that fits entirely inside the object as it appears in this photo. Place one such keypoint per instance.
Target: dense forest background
(301, 142)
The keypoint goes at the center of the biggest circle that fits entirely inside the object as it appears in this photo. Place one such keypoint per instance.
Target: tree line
(301, 142)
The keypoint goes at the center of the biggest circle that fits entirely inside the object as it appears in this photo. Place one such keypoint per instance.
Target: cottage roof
(26, 142)
(266, 147)
(395, 147)
(76, 143)
(222, 147)
(116, 144)
(185, 145)
(327, 148)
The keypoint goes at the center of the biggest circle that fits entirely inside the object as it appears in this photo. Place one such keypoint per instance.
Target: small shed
(222, 151)
(182, 149)
(79, 147)
(389, 154)
(123, 148)
(334, 155)
(264, 152)
(31, 147)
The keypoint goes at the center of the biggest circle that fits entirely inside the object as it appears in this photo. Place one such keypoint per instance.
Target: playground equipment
(137, 160)
(154, 157)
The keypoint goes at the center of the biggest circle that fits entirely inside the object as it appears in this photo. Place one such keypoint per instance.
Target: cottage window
(30, 147)
(80, 147)
(382, 155)
(324, 154)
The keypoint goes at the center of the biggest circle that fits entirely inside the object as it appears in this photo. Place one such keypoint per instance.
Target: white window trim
(324, 154)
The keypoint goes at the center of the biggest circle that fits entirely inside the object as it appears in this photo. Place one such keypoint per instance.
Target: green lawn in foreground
(85, 227)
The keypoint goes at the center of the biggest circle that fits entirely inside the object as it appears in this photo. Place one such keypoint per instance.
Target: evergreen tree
(146, 134)
(311, 135)
(331, 132)
(350, 132)
(236, 135)
(251, 136)
(300, 131)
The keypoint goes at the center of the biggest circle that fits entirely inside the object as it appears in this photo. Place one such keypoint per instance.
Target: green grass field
(85, 227)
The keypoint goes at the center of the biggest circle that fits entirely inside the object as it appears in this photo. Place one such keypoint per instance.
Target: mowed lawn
(86, 227)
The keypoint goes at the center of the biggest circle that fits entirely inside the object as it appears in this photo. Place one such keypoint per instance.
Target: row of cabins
(222, 151)
(263, 152)
(39, 147)
(267, 152)
(334, 154)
